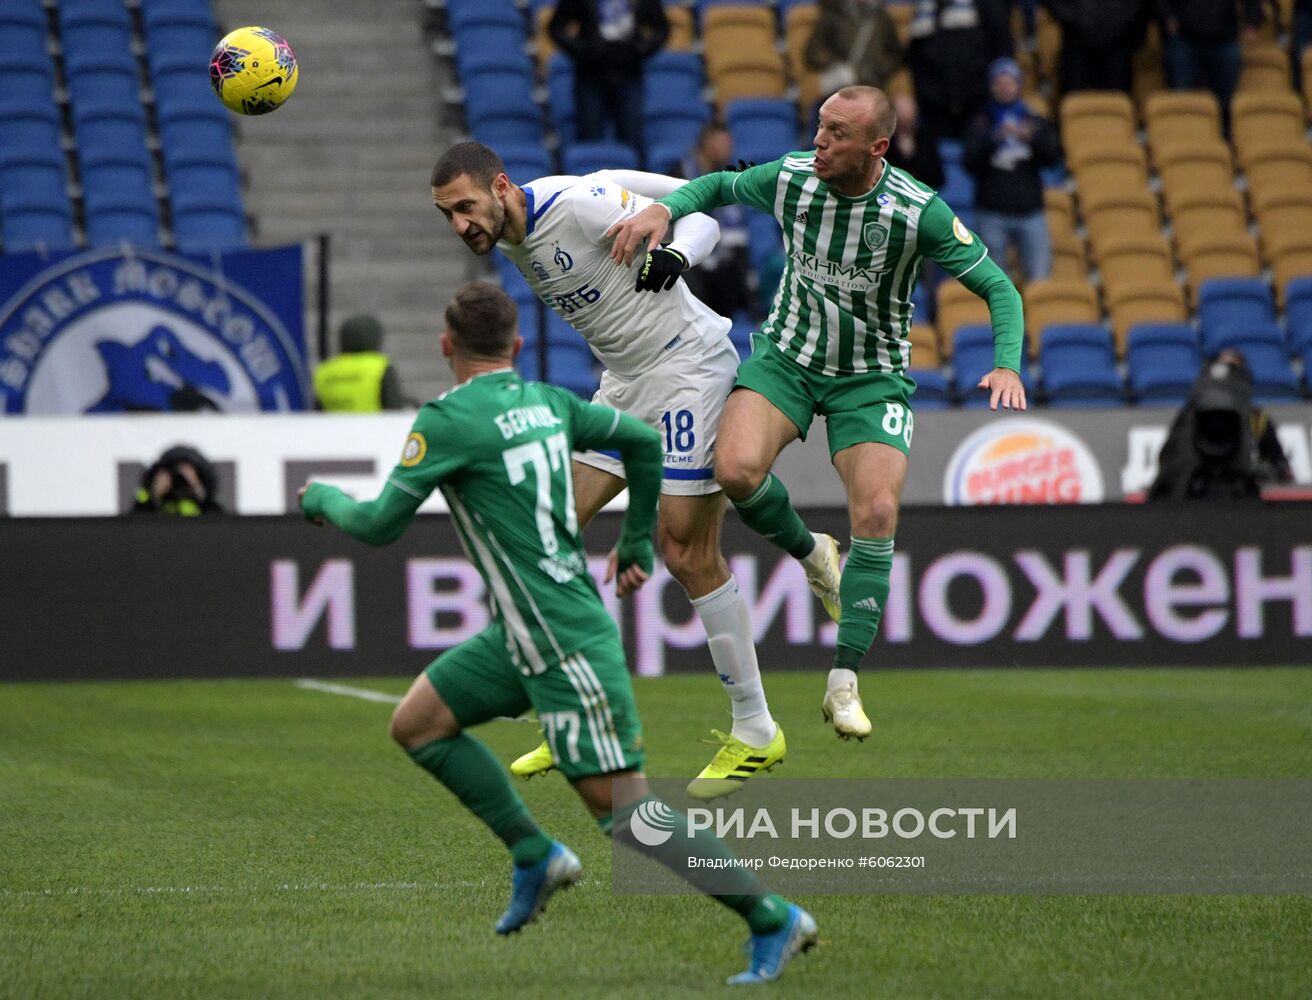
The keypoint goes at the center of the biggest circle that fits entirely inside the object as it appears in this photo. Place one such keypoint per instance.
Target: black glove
(660, 271)
(742, 165)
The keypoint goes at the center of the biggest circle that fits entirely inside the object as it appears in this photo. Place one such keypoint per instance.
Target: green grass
(251, 839)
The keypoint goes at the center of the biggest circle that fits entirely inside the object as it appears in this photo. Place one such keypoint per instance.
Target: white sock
(815, 558)
(840, 677)
(729, 636)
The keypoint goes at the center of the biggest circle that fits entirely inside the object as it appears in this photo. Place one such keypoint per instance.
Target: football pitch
(259, 839)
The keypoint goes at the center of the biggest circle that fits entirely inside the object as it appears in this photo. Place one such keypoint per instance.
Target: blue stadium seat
(1298, 313)
(672, 80)
(195, 172)
(182, 86)
(97, 82)
(572, 366)
(585, 157)
(932, 389)
(1162, 361)
(194, 40)
(483, 39)
(461, 14)
(1079, 366)
(29, 126)
(1228, 306)
(560, 95)
(202, 221)
(94, 28)
(668, 129)
(763, 128)
(117, 177)
(499, 99)
(184, 131)
(972, 359)
(958, 188)
(525, 163)
(35, 227)
(1274, 380)
(666, 158)
(110, 130)
(126, 221)
(22, 30)
(764, 237)
(27, 76)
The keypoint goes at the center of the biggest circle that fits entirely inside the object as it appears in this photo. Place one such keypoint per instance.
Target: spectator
(181, 481)
(608, 41)
(361, 379)
(952, 44)
(722, 280)
(855, 41)
(1098, 41)
(1221, 446)
(1007, 146)
(1202, 44)
(913, 149)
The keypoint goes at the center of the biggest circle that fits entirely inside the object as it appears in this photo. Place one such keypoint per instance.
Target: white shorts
(682, 398)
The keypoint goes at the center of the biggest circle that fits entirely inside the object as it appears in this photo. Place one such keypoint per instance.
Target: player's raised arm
(374, 522)
(692, 239)
(943, 238)
(726, 187)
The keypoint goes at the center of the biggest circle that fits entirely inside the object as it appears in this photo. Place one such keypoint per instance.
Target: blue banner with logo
(128, 329)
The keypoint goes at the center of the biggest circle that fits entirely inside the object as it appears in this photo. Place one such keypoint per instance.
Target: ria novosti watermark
(1096, 836)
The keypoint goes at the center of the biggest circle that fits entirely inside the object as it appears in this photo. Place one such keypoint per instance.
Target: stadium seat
(933, 392)
(1204, 163)
(672, 80)
(29, 126)
(1264, 68)
(191, 173)
(41, 226)
(526, 163)
(116, 176)
(560, 96)
(1220, 255)
(1257, 117)
(184, 132)
(1278, 171)
(1127, 259)
(1068, 258)
(763, 78)
(799, 25)
(1298, 312)
(106, 28)
(1274, 381)
(111, 130)
(461, 14)
(1198, 214)
(764, 237)
(1116, 168)
(22, 30)
(499, 104)
(733, 29)
(925, 351)
(484, 39)
(1289, 267)
(1181, 117)
(1162, 361)
(207, 221)
(96, 84)
(1079, 366)
(683, 29)
(1144, 302)
(126, 221)
(972, 359)
(27, 76)
(1059, 207)
(181, 85)
(187, 35)
(586, 157)
(41, 175)
(1227, 307)
(1094, 118)
(956, 307)
(1053, 302)
(673, 131)
(763, 130)
(1110, 214)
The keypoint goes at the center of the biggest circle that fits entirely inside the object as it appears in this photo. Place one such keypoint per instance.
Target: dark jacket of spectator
(855, 39)
(1210, 20)
(1100, 24)
(912, 148)
(1006, 146)
(599, 49)
(952, 44)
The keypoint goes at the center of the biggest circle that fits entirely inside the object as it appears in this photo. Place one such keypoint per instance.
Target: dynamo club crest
(128, 329)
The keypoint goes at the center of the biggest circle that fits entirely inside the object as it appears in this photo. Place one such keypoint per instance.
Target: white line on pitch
(364, 694)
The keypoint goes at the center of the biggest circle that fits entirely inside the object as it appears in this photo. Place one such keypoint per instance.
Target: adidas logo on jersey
(867, 604)
(801, 217)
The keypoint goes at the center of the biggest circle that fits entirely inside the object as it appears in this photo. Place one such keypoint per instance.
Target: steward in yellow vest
(361, 379)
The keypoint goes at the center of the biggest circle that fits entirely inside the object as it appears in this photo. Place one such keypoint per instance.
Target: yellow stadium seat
(738, 37)
(1095, 119)
(799, 25)
(1187, 189)
(957, 307)
(1047, 45)
(1055, 301)
(1221, 255)
(1197, 214)
(925, 352)
(748, 81)
(1264, 67)
(1060, 210)
(1259, 118)
(683, 32)
(1296, 263)
(1306, 63)
(542, 41)
(1110, 214)
(1280, 170)
(1147, 70)
(1194, 164)
(1178, 116)
(1285, 228)
(1068, 260)
(1130, 260)
(1095, 178)
(1149, 302)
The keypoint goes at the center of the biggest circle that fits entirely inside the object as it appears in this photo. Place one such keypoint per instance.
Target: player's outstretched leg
(427, 729)
(779, 929)
(536, 761)
(690, 544)
(865, 591)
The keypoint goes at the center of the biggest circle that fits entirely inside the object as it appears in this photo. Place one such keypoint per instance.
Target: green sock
(770, 514)
(479, 781)
(863, 590)
(764, 911)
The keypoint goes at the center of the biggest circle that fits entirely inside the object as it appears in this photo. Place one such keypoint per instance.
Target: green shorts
(584, 703)
(871, 406)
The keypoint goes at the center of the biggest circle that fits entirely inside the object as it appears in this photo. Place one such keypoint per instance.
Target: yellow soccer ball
(253, 70)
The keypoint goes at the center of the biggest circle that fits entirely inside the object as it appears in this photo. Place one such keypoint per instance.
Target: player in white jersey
(669, 362)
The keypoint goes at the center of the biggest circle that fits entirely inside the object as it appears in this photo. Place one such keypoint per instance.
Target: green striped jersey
(844, 301)
(499, 449)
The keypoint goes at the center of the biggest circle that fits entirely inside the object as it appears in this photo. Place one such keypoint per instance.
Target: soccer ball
(253, 70)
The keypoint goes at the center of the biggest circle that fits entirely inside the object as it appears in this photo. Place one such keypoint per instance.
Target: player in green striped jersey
(835, 343)
(499, 450)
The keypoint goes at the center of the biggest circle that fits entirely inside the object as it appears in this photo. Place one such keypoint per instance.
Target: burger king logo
(1022, 460)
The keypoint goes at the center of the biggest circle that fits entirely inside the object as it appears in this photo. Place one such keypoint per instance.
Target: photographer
(1221, 446)
(181, 481)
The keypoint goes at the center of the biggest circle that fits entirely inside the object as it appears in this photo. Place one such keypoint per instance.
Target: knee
(876, 518)
(738, 475)
(410, 729)
(689, 560)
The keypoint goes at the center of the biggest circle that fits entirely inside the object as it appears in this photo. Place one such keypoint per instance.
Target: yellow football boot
(734, 763)
(536, 761)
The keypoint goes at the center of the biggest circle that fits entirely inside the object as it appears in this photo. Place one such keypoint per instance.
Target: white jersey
(565, 258)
